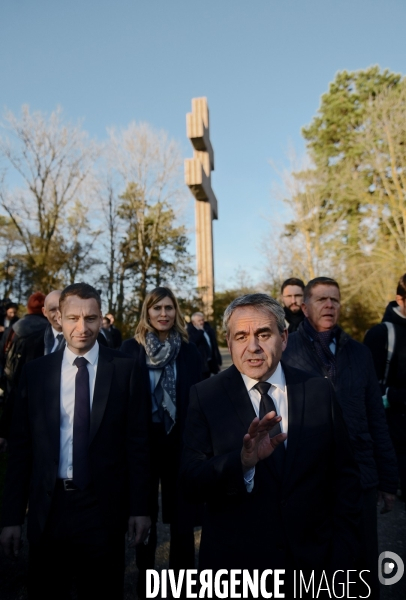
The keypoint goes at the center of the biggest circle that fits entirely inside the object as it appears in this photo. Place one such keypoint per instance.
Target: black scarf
(322, 341)
(293, 318)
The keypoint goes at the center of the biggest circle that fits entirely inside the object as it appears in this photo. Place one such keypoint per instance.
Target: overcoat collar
(238, 396)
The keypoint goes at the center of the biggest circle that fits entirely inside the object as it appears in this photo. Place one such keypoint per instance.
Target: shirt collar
(92, 355)
(397, 310)
(277, 379)
(55, 332)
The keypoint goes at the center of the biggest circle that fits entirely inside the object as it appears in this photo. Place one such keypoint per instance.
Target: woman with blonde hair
(171, 365)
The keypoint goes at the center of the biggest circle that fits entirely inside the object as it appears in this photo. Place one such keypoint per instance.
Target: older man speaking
(266, 448)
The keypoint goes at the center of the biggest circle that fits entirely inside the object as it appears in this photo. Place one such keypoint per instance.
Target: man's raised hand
(10, 540)
(257, 444)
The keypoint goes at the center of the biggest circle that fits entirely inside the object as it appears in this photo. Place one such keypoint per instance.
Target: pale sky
(263, 66)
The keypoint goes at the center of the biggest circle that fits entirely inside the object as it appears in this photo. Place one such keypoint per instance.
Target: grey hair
(261, 302)
(198, 313)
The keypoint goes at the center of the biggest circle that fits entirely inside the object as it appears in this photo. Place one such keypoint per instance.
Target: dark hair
(292, 281)
(401, 289)
(11, 305)
(260, 302)
(82, 290)
(307, 292)
(107, 319)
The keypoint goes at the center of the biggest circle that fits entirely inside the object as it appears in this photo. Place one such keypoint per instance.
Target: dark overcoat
(188, 373)
(307, 518)
(357, 391)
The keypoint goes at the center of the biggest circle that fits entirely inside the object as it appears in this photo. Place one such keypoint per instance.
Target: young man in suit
(291, 299)
(79, 457)
(266, 448)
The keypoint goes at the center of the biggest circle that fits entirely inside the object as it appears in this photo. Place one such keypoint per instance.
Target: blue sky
(263, 66)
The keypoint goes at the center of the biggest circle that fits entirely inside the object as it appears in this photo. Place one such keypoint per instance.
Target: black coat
(359, 395)
(308, 518)
(118, 449)
(11, 323)
(293, 320)
(395, 388)
(116, 335)
(28, 333)
(188, 373)
(211, 357)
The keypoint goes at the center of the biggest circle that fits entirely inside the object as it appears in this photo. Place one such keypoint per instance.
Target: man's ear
(59, 318)
(284, 337)
(400, 301)
(304, 309)
(43, 311)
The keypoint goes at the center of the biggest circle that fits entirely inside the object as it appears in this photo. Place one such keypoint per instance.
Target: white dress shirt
(67, 402)
(279, 395)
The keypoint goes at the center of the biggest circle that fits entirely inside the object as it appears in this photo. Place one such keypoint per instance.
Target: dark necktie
(59, 339)
(265, 406)
(49, 340)
(81, 424)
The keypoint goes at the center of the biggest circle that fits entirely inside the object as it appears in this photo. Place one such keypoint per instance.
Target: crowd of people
(281, 458)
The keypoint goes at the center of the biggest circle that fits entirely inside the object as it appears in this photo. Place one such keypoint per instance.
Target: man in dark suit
(53, 336)
(282, 488)
(291, 299)
(115, 332)
(79, 457)
(9, 317)
(107, 334)
(204, 337)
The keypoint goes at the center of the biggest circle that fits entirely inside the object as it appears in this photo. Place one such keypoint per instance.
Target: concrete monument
(198, 177)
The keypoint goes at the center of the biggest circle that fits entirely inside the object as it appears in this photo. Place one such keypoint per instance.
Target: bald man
(53, 336)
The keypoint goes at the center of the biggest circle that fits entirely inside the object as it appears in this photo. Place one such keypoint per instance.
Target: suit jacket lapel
(52, 400)
(296, 402)
(239, 397)
(241, 402)
(104, 376)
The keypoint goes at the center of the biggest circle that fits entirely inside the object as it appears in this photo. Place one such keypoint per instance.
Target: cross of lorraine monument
(198, 178)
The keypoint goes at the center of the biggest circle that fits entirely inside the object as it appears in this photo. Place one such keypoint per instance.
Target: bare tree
(142, 196)
(52, 162)
(306, 241)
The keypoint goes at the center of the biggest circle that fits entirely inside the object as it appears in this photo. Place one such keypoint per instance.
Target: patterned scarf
(162, 355)
(322, 341)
